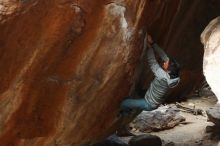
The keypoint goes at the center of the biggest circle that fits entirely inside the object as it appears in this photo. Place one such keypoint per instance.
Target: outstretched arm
(152, 60)
(155, 67)
(159, 51)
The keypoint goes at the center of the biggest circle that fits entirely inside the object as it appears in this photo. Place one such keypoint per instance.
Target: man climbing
(166, 76)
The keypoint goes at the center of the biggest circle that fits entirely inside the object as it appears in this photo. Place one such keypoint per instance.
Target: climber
(166, 76)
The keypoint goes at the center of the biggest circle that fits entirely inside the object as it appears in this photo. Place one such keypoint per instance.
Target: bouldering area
(66, 66)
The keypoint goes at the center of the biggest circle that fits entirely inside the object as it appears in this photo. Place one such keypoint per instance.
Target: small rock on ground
(112, 140)
(145, 140)
(214, 114)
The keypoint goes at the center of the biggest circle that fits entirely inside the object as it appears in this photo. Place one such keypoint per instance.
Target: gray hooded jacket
(162, 81)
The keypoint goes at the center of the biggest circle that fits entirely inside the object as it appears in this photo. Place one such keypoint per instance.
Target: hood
(173, 82)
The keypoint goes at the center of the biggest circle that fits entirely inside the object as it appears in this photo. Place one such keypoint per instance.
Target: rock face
(65, 65)
(211, 62)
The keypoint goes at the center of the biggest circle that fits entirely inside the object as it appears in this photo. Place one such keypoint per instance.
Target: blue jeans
(138, 104)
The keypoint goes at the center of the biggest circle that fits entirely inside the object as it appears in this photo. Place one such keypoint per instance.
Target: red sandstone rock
(65, 65)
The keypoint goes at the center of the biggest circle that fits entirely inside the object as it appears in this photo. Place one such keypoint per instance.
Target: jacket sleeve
(155, 67)
(160, 52)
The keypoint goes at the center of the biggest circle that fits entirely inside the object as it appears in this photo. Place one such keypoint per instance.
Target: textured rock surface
(214, 114)
(63, 63)
(159, 119)
(211, 62)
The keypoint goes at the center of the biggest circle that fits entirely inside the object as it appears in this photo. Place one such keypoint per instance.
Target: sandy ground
(193, 133)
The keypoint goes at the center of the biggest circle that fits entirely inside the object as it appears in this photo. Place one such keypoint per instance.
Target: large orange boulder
(65, 67)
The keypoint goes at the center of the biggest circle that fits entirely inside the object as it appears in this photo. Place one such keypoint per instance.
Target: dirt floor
(193, 131)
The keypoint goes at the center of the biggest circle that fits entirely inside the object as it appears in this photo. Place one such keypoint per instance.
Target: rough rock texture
(62, 64)
(65, 65)
(211, 62)
(214, 114)
(159, 119)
